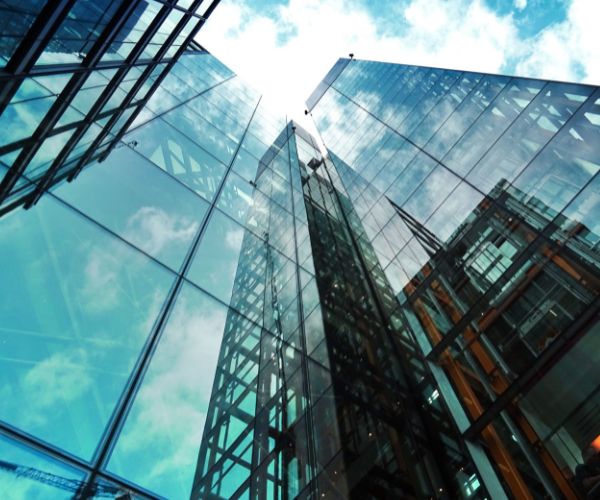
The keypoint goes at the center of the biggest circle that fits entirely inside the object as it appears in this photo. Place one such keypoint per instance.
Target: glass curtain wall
(479, 195)
(73, 76)
(123, 291)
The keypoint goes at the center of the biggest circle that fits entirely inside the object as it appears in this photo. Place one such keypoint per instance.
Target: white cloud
(55, 382)
(234, 238)
(520, 4)
(159, 444)
(569, 50)
(99, 278)
(287, 52)
(155, 231)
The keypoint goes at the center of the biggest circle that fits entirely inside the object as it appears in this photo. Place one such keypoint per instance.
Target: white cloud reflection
(155, 231)
(158, 447)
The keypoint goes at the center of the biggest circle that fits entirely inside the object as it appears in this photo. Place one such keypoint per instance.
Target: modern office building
(214, 308)
(480, 196)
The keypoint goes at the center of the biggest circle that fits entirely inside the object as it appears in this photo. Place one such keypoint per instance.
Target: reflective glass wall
(216, 309)
(201, 314)
(124, 290)
(479, 195)
(74, 74)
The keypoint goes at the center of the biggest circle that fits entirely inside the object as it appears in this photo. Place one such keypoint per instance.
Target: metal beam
(32, 46)
(63, 101)
(588, 319)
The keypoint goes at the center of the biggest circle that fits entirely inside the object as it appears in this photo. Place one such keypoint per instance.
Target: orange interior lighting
(596, 443)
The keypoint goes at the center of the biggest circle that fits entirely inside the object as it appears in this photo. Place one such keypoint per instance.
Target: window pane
(179, 156)
(17, 17)
(565, 165)
(203, 133)
(77, 306)
(79, 31)
(216, 262)
(23, 487)
(158, 446)
(528, 134)
(19, 120)
(141, 203)
(492, 123)
(433, 191)
(134, 28)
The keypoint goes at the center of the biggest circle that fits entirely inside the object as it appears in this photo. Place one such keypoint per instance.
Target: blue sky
(284, 48)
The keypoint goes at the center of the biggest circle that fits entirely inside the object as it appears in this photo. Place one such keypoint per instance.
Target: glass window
(119, 125)
(22, 185)
(445, 107)
(79, 31)
(454, 211)
(19, 120)
(158, 446)
(179, 156)
(246, 165)
(77, 306)
(412, 258)
(410, 178)
(433, 191)
(402, 156)
(184, 119)
(80, 148)
(565, 165)
(164, 31)
(561, 405)
(132, 31)
(491, 124)
(17, 17)
(46, 154)
(185, 3)
(6, 160)
(70, 115)
(465, 115)
(225, 116)
(435, 93)
(116, 99)
(237, 197)
(19, 485)
(203, 7)
(215, 264)
(528, 134)
(582, 218)
(178, 88)
(161, 217)
(162, 100)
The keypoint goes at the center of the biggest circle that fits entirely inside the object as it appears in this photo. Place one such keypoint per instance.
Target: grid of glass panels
(65, 102)
(159, 309)
(479, 194)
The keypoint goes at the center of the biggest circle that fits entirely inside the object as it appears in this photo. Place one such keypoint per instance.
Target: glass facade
(131, 293)
(219, 308)
(479, 196)
(74, 75)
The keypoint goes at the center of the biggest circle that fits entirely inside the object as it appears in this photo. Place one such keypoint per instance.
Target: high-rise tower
(481, 197)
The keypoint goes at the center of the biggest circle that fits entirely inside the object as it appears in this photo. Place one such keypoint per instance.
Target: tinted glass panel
(77, 307)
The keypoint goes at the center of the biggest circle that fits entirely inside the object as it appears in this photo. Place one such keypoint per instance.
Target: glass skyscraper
(217, 308)
(480, 197)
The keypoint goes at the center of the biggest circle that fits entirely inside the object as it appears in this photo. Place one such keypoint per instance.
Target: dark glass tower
(480, 196)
